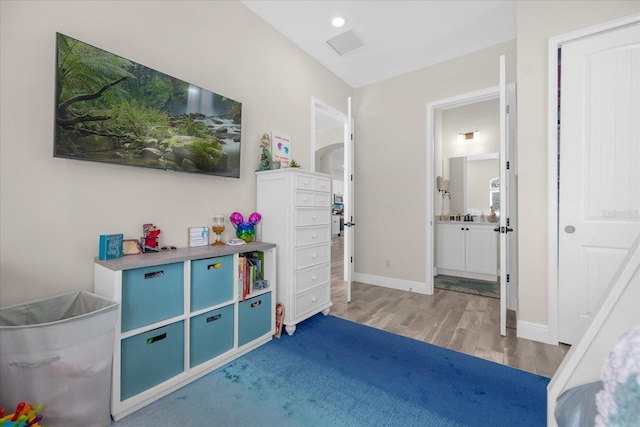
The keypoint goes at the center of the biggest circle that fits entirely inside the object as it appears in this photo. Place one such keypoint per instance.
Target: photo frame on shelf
(131, 247)
(281, 148)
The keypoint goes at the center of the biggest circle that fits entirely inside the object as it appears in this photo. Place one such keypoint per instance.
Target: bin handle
(154, 274)
(256, 304)
(32, 365)
(216, 265)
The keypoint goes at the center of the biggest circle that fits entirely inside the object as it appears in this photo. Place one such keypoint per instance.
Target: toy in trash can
(25, 415)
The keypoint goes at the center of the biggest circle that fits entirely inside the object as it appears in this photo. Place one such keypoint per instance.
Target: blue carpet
(333, 372)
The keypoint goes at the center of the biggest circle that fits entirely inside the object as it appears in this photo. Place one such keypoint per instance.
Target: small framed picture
(131, 247)
(198, 236)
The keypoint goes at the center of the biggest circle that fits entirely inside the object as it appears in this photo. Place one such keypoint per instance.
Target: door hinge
(507, 108)
(352, 177)
(352, 137)
(507, 278)
(508, 220)
(351, 259)
(507, 164)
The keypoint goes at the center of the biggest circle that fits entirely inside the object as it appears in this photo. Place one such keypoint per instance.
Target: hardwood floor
(463, 322)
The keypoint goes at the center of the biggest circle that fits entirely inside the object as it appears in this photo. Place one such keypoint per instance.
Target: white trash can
(57, 353)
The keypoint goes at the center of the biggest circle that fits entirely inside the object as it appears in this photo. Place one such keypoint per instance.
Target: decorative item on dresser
(296, 208)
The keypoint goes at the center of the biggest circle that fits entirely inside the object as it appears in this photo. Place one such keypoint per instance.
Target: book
(110, 246)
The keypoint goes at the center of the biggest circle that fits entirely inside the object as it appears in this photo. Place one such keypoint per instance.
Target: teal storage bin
(254, 318)
(211, 282)
(151, 294)
(151, 358)
(211, 335)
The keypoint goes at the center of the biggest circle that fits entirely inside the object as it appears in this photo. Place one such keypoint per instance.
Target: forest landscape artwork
(110, 109)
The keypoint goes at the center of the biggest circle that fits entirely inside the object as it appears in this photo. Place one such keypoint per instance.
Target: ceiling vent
(345, 43)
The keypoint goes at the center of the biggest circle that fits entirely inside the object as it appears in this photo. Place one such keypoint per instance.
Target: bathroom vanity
(467, 249)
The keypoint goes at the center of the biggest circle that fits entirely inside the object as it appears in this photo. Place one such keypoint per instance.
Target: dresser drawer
(313, 255)
(306, 217)
(321, 199)
(304, 198)
(151, 358)
(323, 185)
(254, 318)
(311, 235)
(312, 300)
(151, 294)
(211, 282)
(211, 335)
(305, 182)
(307, 279)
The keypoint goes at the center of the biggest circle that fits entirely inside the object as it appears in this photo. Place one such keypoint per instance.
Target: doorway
(591, 230)
(437, 204)
(329, 128)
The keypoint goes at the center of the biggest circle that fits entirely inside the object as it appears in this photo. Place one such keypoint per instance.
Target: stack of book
(249, 271)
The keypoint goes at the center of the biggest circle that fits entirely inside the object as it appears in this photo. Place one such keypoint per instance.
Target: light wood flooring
(463, 322)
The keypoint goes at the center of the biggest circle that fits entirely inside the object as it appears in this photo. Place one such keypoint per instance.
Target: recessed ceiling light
(338, 22)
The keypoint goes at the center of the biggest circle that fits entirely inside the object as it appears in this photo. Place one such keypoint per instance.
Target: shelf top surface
(128, 262)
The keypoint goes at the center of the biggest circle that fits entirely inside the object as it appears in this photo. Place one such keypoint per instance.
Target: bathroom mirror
(474, 183)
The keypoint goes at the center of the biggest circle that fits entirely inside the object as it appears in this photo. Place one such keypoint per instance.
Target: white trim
(533, 331)
(389, 282)
(552, 162)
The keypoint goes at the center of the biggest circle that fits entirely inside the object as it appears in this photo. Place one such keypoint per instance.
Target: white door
(599, 195)
(505, 226)
(349, 223)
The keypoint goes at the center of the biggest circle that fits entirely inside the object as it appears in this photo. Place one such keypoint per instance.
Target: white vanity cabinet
(296, 213)
(181, 316)
(467, 249)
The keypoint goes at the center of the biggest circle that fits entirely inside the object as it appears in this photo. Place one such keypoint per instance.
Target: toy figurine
(265, 157)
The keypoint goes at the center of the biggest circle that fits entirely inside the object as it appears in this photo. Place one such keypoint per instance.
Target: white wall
(390, 146)
(54, 209)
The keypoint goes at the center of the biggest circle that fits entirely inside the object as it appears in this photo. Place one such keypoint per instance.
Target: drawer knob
(314, 278)
(314, 299)
(314, 217)
(315, 236)
(314, 256)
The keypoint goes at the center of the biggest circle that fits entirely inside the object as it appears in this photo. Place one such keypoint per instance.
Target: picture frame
(113, 110)
(131, 247)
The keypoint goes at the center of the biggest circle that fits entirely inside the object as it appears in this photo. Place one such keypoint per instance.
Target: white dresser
(296, 215)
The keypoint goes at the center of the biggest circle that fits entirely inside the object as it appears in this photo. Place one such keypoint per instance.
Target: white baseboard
(534, 332)
(388, 282)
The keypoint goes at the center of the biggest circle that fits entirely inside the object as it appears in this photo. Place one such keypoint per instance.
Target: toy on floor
(25, 415)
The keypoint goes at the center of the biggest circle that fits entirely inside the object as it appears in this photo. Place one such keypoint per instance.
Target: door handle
(503, 229)
(570, 229)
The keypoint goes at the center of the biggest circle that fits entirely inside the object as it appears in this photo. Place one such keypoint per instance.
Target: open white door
(349, 223)
(504, 198)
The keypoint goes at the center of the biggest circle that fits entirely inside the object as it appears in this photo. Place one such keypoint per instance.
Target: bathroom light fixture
(338, 22)
(469, 136)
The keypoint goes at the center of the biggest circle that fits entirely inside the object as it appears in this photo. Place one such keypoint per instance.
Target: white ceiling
(399, 36)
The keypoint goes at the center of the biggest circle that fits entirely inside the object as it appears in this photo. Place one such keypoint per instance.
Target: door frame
(443, 104)
(553, 162)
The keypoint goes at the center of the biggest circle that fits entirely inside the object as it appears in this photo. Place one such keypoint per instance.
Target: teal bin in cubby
(211, 335)
(254, 318)
(151, 294)
(151, 358)
(211, 282)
